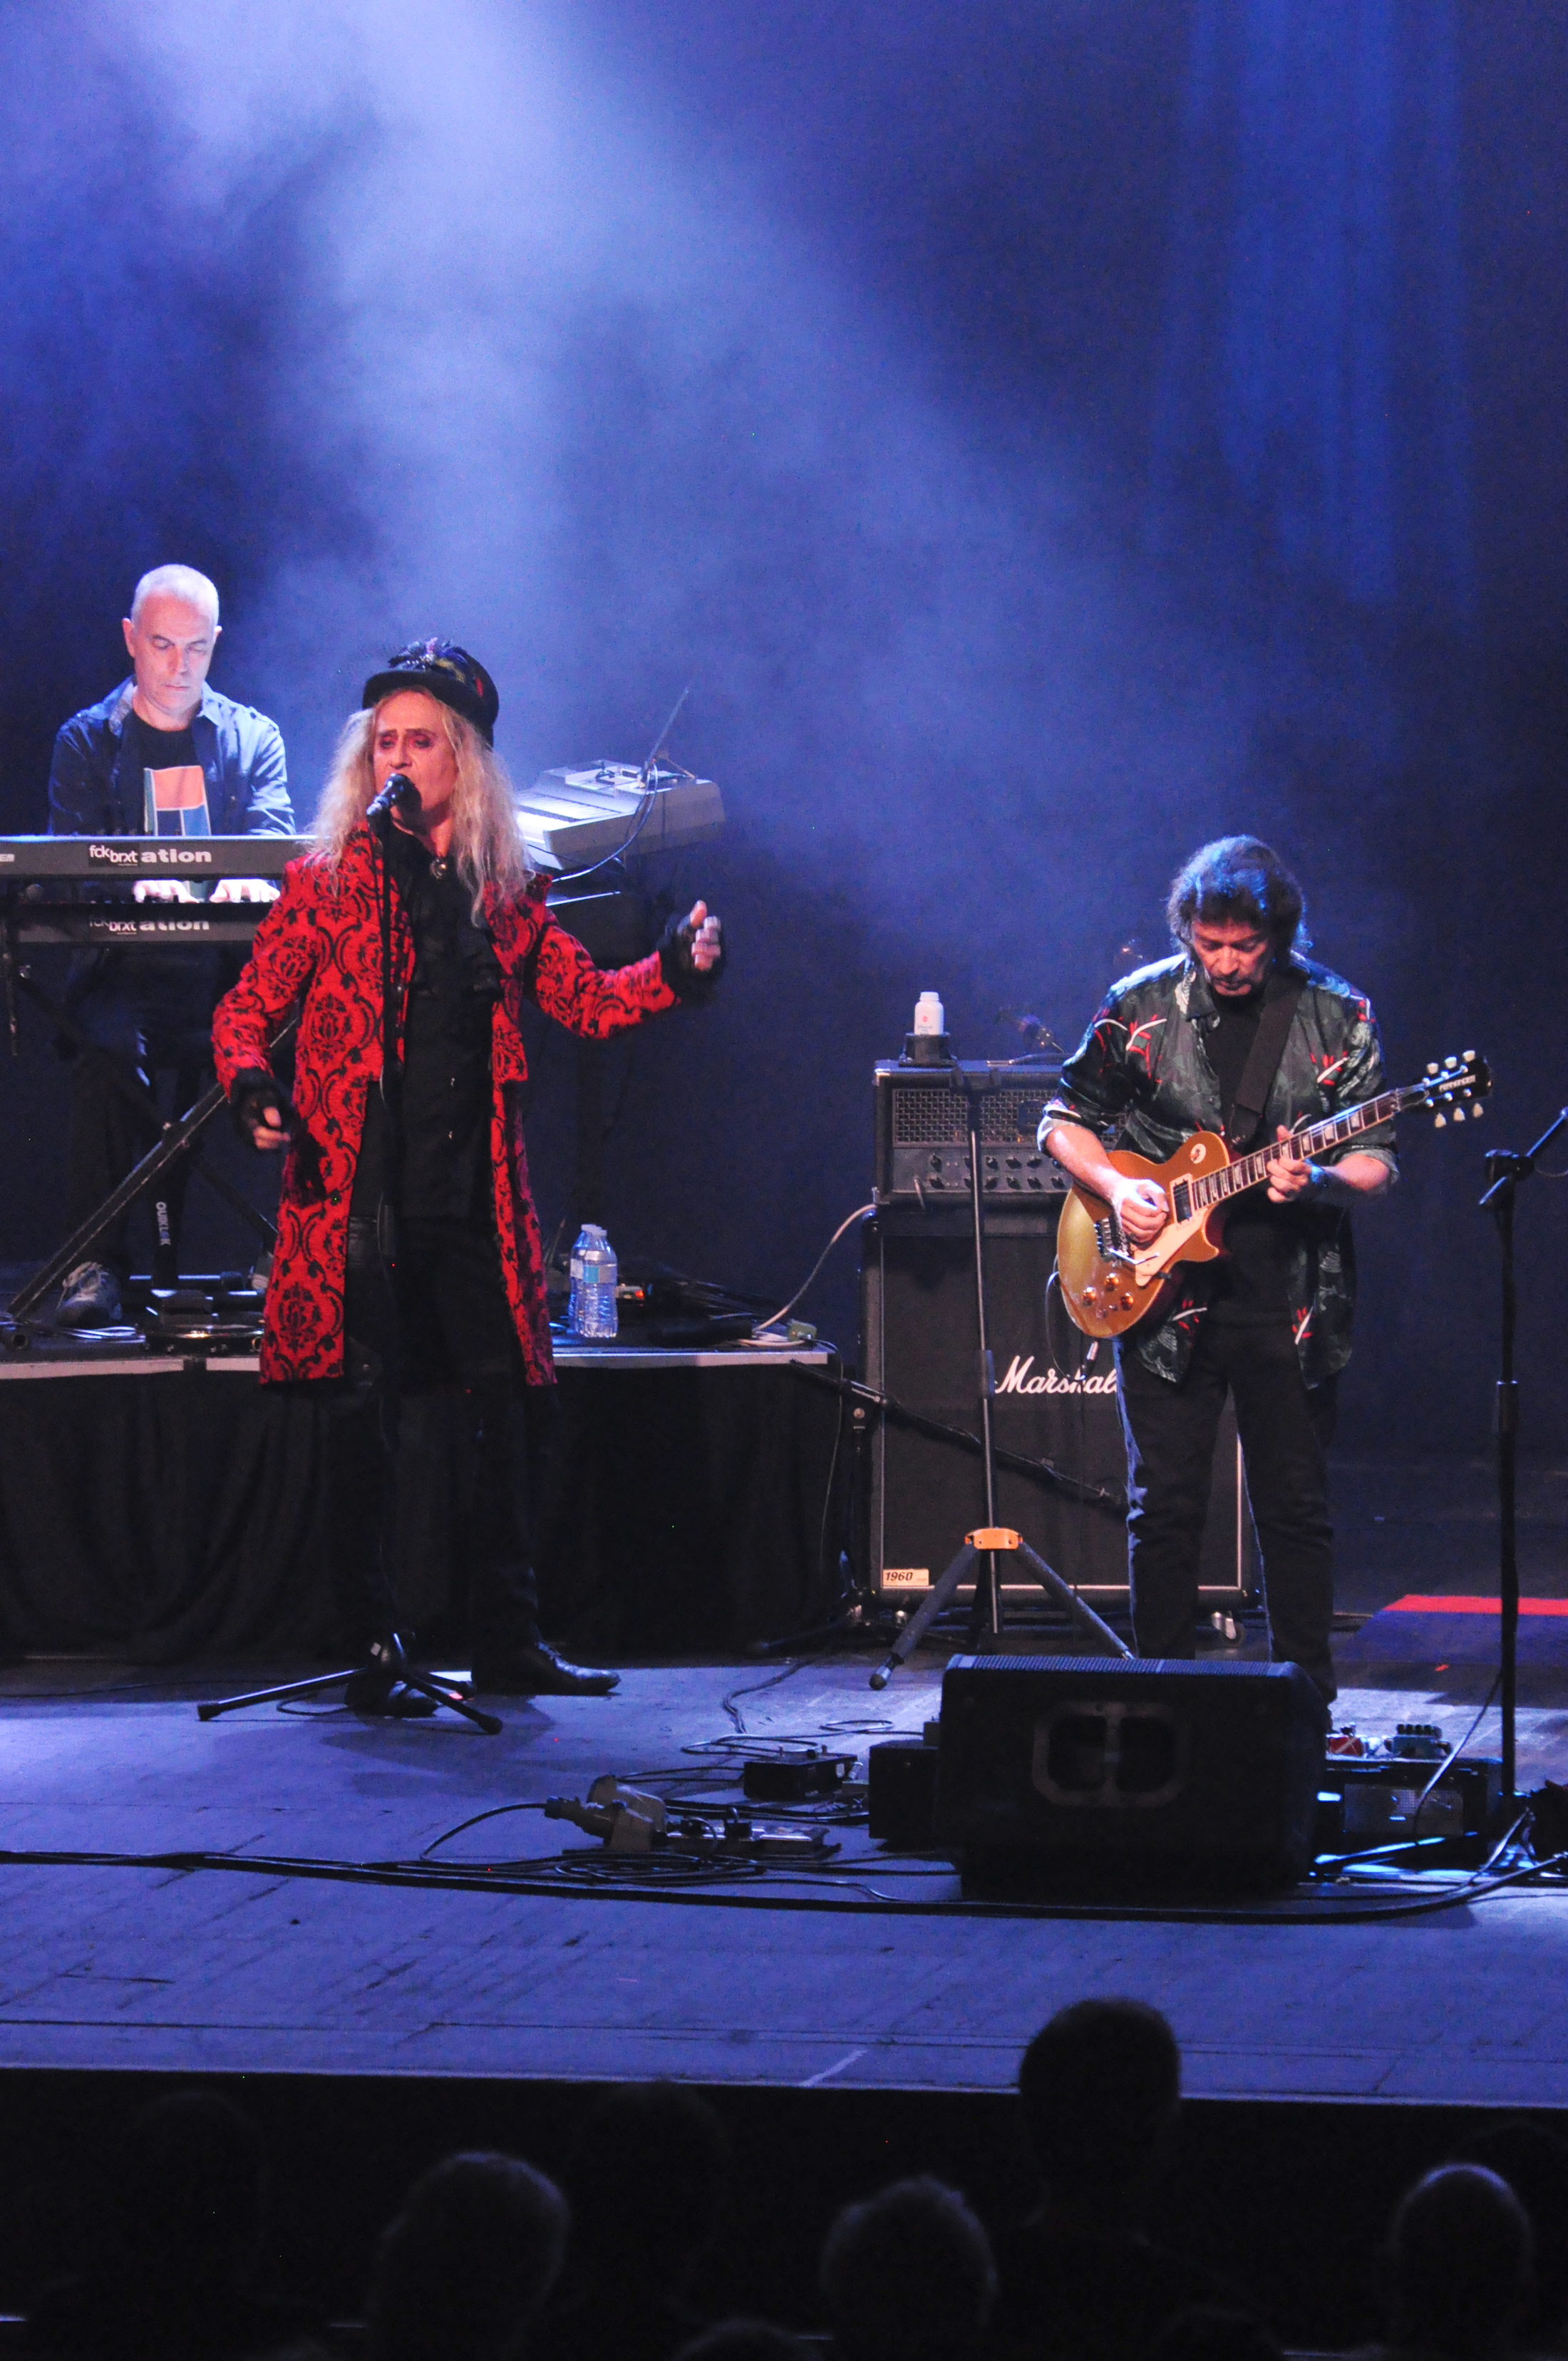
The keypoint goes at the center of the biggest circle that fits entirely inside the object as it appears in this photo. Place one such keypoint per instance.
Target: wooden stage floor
(805, 1984)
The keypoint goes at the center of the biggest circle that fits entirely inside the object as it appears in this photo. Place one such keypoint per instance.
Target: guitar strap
(1262, 1061)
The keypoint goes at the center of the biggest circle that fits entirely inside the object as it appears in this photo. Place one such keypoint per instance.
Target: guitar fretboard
(1213, 1188)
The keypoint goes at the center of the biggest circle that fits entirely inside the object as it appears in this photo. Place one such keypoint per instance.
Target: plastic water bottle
(591, 1310)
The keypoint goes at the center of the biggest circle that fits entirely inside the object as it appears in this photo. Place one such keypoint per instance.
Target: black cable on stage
(497, 1812)
(860, 1211)
(80, 1696)
(757, 1687)
(586, 1872)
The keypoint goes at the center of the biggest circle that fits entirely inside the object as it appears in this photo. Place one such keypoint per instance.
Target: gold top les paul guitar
(1109, 1284)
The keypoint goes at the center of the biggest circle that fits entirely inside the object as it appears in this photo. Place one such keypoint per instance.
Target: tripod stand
(991, 1540)
(389, 1669)
(1508, 1170)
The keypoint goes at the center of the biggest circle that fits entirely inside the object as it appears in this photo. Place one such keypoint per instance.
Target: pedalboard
(1374, 1802)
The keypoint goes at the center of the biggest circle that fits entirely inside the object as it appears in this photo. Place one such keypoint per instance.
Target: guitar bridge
(1111, 1239)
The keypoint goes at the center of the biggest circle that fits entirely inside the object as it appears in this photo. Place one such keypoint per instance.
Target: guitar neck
(1250, 1172)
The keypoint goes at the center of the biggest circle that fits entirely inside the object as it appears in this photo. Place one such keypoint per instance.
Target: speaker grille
(939, 1119)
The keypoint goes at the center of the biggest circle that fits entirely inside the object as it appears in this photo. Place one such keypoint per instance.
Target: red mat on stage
(1429, 1628)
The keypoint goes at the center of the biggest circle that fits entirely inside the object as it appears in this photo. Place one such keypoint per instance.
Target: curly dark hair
(1238, 877)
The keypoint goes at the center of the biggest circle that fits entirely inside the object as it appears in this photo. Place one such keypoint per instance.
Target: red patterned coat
(321, 939)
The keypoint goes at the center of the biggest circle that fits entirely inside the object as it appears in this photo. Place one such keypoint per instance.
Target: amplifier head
(922, 1133)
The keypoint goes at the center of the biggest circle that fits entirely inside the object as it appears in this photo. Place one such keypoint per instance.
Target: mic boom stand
(981, 1549)
(1507, 1169)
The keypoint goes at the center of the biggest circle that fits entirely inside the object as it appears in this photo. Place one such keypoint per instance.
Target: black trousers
(1285, 1428)
(439, 1321)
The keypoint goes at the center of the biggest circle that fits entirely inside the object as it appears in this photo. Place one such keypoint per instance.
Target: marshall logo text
(1019, 1381)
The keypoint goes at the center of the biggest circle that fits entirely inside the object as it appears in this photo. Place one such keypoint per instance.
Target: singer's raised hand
(706, 938)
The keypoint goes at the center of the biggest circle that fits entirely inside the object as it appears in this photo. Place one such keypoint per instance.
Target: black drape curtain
(165, 1518)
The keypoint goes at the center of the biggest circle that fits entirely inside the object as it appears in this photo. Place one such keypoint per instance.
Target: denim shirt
(1141, 1079)
(92, 792)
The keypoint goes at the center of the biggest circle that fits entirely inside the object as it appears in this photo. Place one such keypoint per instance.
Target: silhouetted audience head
(1215, 2331)
(190, 2193)
(1459, 2263)
(1534, 2163)
(1101, 2088)
(645, 2180)
(744, 2340)
(463, 2268)
(908, 2276)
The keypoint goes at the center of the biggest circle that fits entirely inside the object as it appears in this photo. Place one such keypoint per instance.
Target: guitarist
(1238, 1034)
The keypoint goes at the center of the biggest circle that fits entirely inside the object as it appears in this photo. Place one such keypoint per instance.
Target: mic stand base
(387, 1672)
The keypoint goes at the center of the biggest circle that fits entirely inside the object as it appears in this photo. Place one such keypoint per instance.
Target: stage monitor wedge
(1062, 1771)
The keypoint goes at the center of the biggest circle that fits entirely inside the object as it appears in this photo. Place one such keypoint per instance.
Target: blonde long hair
(487, 842)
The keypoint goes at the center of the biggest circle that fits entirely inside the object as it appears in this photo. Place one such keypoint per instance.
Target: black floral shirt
(1141, 1079)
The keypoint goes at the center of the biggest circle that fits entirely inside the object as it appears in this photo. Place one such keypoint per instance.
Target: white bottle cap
(929, 1014)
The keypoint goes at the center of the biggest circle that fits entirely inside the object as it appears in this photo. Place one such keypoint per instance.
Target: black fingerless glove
(689, 982)
(251, 1093)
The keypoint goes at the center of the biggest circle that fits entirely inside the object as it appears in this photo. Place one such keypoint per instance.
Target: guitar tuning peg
(1459, 1115)
(1469, 1056)
(1432, 1065)
(1448, 1064)
(1439, 1122)
(1477, 1110)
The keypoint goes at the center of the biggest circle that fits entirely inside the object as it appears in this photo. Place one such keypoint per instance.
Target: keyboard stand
(175, 1138)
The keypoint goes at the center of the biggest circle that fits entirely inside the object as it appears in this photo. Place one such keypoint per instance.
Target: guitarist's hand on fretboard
(1291, 1177)
(1353, 1177)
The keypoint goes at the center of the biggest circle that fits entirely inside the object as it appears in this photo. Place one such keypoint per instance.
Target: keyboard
(163, 922)
(573, 819)
(28, 859)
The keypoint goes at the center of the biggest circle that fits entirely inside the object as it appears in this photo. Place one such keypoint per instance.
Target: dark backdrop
(1047, 435)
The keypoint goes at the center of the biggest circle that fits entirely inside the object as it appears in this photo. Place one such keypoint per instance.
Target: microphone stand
(1505, 1169)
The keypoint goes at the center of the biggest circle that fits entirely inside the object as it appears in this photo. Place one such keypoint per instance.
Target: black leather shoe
(538, 1671)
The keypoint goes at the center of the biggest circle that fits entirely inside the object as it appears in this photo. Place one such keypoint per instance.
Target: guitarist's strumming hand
(1142, 1206)
(1143, 1209)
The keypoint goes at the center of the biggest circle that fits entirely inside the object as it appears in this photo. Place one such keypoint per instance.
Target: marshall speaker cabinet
(1056, 1389)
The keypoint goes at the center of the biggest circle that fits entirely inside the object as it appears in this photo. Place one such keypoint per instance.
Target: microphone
(399, 791)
